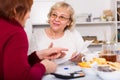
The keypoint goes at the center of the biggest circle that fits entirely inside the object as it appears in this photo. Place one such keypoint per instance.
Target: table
(89, 75)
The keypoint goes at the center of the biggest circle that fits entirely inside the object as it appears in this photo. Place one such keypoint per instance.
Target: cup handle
(83, 59)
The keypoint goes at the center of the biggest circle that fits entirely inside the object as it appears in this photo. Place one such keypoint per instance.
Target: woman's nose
(57, 18)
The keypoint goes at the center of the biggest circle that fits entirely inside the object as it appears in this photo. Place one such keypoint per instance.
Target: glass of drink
(108, 52)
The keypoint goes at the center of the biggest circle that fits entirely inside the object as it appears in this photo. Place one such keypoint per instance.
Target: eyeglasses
(62, 18)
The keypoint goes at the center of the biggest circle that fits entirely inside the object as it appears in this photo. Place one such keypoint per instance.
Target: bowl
(115, 75)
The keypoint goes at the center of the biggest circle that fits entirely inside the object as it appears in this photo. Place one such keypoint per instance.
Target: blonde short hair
(68, 8)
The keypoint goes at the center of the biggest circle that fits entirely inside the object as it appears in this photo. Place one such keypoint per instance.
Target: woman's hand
(54, 53)
(51, 52)
(77, 58)
(49, 65)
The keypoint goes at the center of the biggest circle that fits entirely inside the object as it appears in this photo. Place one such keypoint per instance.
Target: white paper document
(69, 54)
(85, 46)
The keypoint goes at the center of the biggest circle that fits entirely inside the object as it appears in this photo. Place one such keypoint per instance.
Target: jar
(108, 52)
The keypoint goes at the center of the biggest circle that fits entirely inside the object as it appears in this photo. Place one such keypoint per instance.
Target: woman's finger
(51, 45)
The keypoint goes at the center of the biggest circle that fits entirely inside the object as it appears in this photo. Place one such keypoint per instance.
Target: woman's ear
(48, 21)
(69, 22)
(14, 11)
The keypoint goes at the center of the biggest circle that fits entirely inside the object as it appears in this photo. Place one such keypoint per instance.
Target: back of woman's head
(14, 8)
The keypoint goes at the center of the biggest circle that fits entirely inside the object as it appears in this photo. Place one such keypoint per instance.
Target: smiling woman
(61, 33)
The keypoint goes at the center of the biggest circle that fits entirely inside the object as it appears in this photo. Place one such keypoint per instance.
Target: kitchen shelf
(85, 23)
(101, 22)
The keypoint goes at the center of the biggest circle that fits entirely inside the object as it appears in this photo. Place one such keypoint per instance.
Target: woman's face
(59, 18)
(22, 22)
(25, 18)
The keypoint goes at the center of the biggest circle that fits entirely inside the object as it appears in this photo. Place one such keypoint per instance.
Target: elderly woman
(60, 33)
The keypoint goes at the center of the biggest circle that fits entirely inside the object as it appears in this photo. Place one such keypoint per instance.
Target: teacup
(89, 56)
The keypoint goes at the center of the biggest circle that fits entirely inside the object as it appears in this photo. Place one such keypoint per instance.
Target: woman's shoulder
(38, 31)
(73, 32)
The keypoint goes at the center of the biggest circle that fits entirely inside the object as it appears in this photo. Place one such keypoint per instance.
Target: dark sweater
(14, 62)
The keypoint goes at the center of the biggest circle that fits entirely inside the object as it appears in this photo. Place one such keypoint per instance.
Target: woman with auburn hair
(15, 64)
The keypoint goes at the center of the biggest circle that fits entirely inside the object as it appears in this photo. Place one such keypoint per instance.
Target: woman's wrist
(40, 55)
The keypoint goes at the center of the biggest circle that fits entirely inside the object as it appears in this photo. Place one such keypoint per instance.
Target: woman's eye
(54, 15)
(62, 17)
